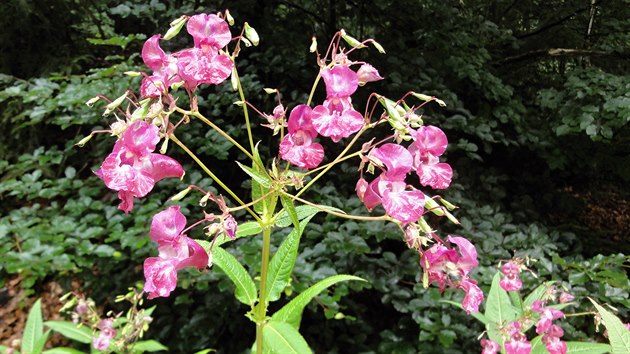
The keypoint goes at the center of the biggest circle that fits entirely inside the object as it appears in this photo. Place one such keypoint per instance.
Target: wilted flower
(367, 73)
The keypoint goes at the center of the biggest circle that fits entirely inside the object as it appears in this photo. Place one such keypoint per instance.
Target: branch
(559, 52)
(555, 23)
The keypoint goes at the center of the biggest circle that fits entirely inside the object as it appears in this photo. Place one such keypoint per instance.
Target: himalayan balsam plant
(409, 155)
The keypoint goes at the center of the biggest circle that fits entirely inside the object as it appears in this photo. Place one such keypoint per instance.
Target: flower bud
(176, 26)
(351, 40)
(234, 80)
(164, 146)
(313, 46)
(367, 73)
(132, 73)
(84, 140)
(179, 196)
(114, 104)
(251, 34)
(269, 91)
(378, 47)
(203, 201)
(92, 100)
(229, 18)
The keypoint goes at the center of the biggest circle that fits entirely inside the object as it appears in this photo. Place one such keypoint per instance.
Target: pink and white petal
(430, 139)
(152, 55)
(219, 70)
(160, 277)
(468, 259)
(140, 137)
(164, 166)
(167, 225)
(197, 258)
(209, 29)
(394, 156)
(341, 81)
(152, 86)
(436, 176)
(372, 197)
(126, 201)
(404, 206)
(295, 150)
(474, 296)
(300, 119)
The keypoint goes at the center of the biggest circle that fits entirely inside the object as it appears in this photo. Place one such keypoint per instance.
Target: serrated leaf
(289, 207)
(39, 345)
(303, 211)
(148, 346)
(63, 350)
(618, 334)
(291, 313)
(257, 176)
(280, 337)
(70, 330)
(257, 190)
(479, 316)
(245, 288)
(34, 328)
(499, 310)
(587, 348)
(282, 262)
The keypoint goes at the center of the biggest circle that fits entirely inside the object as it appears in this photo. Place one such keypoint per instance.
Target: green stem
(245, 111)
(261, 309)
(216, 128)
(212, 175)
(332, 212)
(330, 165)
(310, 96)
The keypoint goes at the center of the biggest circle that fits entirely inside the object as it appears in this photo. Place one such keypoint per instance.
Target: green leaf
(39, 346)
(256, 175)
(291, 313)
(281, 337)
(537, 294)
(70, 330)
(63, 350)
(257, 190)
(281, 265)
(499, 310)
(148, 346)
(303, 211)
(34, 329)
(618, 334)
(587, 348)
(244, 229)
(288, 205)
(477, 315)
(245, 287)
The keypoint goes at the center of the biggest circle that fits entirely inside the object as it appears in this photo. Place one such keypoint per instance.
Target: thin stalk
(261, 309)
(245, 111)
(212, 175)
(332, 212)
(216, 128)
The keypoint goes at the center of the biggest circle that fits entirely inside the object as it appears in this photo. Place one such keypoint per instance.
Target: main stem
(261, 308)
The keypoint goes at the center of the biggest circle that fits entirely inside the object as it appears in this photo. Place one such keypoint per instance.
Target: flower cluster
(446, 266)
(518, 343)
(336, 118)
(551, 332)
(176, 251)
(511, 280)
(132, 168)
(105, 335)
(201, 64)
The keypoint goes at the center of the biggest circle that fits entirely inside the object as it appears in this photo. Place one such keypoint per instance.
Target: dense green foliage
(538, 104)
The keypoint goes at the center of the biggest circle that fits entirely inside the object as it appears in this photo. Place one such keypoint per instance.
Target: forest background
(538, 105)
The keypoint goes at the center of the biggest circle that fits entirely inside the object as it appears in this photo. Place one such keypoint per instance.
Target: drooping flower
(337, 119)
(105, 335)
(298, 147)
(489, 346)
(164, 69)
(566, 297)
(176, 251)
(401, 202)
(547, 316)
(446, 266)
(367, 73)
(552, 340)
(341, 81)
(429, 144)
(132, 168)
(511, 280)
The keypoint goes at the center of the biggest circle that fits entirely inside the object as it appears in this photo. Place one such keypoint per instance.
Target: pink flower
(367, 73)
(106, 334)
(400, 201)
(511, 281)
(229, 226)
(473, 297)
(203, 66)
(132, 168)
(518, 345)
(429, 143)
(164, 69)
(566, 297)
(298, 147)
(341, 81)
(552, 340)
(337, 119)
(209, 30)
(547, 315)
(489, 346)
(176, 251)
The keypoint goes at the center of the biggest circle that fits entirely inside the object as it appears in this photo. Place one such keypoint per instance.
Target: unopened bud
(203, 201)
(179, 196)
(114, 104)
(351, 40)
(447, 204)
(246, 41)
(83, 141)
(313, 47)
(367, 73)
(164, 146)
(234, 80)
(251, 34)
(239, 103)
(132, 73)
(339, 316)
(229, 18)
(176, 26)
(176, 85)
(424, 226)
(378, 47)
(269, 91)
(92, 100)
(141, 111)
